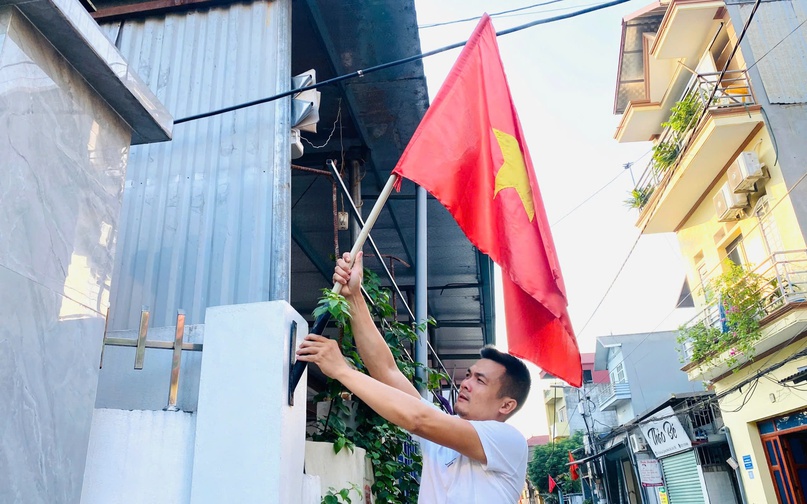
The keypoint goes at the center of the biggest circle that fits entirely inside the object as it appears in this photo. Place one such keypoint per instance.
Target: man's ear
(507, 406)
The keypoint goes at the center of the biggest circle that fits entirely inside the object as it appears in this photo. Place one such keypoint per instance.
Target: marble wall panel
(63, 155)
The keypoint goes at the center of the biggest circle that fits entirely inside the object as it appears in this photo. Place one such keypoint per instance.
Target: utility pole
(585, 412)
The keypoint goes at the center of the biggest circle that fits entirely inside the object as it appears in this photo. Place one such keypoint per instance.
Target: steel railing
(733, 90)
(783, 281)
(607, 391)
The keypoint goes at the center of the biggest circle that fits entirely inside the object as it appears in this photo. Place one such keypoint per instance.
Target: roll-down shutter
(681, 479)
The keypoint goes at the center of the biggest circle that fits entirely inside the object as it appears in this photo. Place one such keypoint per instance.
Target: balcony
(687, 163)
(553, 394)
(782, 314)
(610, 396)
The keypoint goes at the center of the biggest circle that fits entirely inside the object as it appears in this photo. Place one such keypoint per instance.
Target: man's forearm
(372, 347)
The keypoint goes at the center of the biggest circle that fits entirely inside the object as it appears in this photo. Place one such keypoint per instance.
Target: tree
(551, 459)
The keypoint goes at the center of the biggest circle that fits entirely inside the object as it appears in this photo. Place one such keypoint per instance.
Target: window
(587, 376)
(770, 233)
(734, 251)
(618, 374)
(703, 276)
(562, 414)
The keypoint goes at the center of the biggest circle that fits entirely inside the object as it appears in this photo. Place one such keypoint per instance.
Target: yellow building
(726, 109)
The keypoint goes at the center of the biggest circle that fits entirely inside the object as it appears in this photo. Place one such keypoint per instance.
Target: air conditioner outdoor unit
(745, 171)
(729, 205)
(637, 443)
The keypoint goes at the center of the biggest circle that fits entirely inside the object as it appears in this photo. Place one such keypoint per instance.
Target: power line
(753, 228)
(570, 212)
(626, 167)
(777, 44)
(492, 15)
(416, 57)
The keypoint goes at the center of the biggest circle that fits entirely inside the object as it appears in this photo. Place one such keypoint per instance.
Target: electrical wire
(570, 212)
(492, 15)
(416, 57)
(753, 228)
(336, 122)
(777, 44)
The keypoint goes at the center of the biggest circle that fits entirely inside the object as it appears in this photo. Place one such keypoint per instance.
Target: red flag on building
(552, 484)
(469, 152)
(574, 471)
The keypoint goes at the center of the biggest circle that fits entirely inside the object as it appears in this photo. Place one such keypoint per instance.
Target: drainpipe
(421, 286)
(737, 469)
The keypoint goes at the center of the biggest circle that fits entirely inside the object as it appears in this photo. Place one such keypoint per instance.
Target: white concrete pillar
(250, 444)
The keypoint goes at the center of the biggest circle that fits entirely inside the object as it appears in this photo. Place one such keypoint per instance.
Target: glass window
(770, 233)
(587, 376)
(790, 421)
(734, 251)
(766, 427)
(618, 374)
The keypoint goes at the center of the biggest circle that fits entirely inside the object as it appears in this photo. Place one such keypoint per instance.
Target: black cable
(493, 14)
(416, 57)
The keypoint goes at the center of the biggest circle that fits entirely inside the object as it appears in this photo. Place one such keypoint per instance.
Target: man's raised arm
(372, 347)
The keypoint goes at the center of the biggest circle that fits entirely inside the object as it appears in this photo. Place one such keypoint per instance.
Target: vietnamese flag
(469, 152)
(552, 484)
(574, 471)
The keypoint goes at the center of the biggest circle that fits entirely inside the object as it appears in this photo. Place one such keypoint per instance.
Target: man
(473, 457)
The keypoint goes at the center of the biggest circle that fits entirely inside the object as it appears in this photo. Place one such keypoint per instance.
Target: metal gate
(682, 479)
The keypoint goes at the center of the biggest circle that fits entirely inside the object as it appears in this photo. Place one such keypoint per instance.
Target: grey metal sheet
(205, 217)
(784, 68)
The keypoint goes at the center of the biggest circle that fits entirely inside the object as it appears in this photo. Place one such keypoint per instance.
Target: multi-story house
(571, 409)
(718, 87)
(642, 372)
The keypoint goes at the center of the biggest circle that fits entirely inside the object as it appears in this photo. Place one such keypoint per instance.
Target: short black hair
(516, 381)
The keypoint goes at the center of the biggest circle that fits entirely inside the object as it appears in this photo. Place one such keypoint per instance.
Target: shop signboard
(664, 433)
(650, 473)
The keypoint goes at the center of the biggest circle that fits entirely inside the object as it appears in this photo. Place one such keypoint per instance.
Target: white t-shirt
(451, 478)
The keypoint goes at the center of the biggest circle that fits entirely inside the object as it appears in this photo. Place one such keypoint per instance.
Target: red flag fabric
(552, 484)
(469, 152)
(574, 471)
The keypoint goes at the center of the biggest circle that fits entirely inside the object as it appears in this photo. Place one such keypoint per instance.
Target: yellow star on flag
(513, 172)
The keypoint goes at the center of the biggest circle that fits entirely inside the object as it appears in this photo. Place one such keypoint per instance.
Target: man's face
(479, 391)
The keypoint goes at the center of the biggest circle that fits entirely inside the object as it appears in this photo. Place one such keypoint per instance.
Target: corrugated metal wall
(206, 217)
(784, 68)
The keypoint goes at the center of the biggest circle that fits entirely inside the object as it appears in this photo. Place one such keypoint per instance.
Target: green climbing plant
(683, 114)
(740, 293)
(350, 423)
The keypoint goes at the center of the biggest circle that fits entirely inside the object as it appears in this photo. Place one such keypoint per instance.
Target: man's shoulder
(502, 431)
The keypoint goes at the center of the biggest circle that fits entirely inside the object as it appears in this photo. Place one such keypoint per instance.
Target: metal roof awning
(364, 124)
(367, 123)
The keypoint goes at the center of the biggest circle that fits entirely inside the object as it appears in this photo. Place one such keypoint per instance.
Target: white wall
(139, 457)
(250, 444)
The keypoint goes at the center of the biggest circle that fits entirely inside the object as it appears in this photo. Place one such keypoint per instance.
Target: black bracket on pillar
(299, 367)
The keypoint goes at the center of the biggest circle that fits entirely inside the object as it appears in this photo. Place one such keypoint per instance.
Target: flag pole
(299, 367)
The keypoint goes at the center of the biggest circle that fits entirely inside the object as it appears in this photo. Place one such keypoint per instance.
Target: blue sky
(562, 77)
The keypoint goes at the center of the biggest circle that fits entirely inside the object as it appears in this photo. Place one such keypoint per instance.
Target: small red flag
(574, 471)
(469, 152)
(552, 484)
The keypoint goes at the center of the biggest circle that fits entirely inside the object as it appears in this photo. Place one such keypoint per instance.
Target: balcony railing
(783, 282)
(733, 90)
(609, 393)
